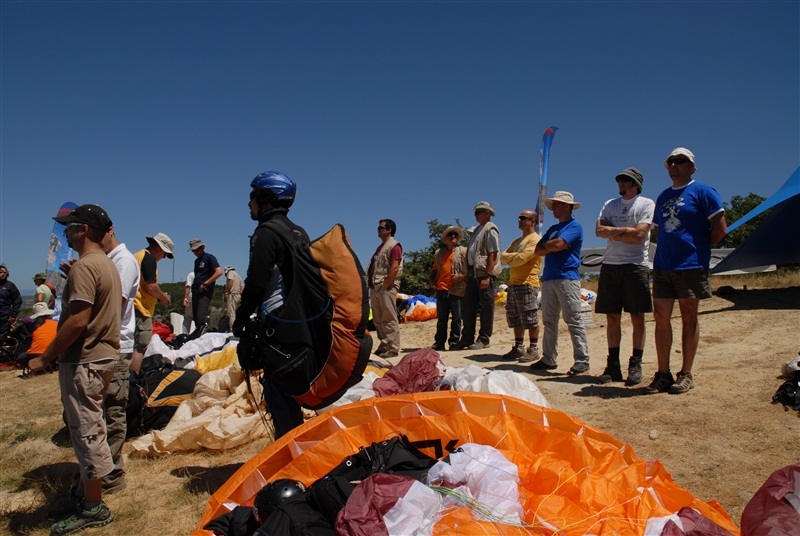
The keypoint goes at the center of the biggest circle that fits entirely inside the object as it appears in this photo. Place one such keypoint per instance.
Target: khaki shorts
(681, 284)
(143, 333)
(82, 389)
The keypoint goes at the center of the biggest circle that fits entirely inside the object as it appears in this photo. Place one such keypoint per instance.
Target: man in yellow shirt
(522, 311)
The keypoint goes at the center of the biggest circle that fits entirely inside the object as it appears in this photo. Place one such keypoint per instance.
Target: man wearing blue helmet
(269, 272)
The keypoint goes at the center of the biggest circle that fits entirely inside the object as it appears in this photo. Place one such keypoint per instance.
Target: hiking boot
(578, 368)
(387, 353)
(515, 353)
(541, 365)
(83, 518)
(438, 346)
(612, 373)
(683, 382)
(530, 356)
(634, 371)
(662, 381)
(478, 345)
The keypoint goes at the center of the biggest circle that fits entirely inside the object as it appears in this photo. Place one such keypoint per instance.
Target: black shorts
(623, 286)
(681, 284)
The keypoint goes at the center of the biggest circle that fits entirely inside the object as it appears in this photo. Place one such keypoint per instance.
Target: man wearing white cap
(625, 273)
(158, 247)
(233, 293)
(206, 271)
(690, 217)
(561, 285)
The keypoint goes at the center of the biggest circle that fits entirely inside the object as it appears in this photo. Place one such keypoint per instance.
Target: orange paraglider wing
(574, 479)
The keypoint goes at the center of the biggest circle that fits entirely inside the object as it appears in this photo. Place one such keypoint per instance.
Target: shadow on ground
(205, 479)
(608, 392)
(774, 299)
(51, 483)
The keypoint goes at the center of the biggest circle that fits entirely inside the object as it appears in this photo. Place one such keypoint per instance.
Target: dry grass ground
(719, 441)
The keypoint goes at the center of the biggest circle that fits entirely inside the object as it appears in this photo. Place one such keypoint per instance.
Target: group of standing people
(688, 217)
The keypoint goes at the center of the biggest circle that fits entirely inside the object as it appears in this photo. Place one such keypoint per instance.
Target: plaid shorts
(521, 308)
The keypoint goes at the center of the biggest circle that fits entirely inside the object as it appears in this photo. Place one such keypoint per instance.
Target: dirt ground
(719, 441)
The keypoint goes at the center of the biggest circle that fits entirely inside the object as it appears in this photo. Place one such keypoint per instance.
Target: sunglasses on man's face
(71, 226)
(382, 228)
(524, 218)
(452, 235)
(480, 211)
(677, 161)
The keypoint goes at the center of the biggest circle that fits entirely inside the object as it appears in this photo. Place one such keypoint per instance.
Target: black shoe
(515, 353)
(661, 383)
(578, 368)
(634, 371)
(541, 365)
(612, 373)
(438, 346)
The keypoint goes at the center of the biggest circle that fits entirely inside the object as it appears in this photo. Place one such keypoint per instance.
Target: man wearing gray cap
(149, 293)
(625, 275)
(483, 267)
(690, 217)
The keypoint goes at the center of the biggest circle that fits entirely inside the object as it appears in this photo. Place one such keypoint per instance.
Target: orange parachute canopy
(574, 479)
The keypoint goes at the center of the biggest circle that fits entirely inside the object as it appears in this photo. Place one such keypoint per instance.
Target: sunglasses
(480, 211)
(452, 234)
(71, 226)
(382, 228)
(677, 161)
(523, 218)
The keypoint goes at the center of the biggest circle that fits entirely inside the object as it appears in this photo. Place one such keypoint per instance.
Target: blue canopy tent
(776, 240)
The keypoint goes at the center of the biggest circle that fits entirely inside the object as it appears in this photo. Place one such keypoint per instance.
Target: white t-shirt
(128, 269)
(619, 212)
(189, 281)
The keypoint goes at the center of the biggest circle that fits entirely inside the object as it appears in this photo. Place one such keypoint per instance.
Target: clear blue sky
(162, 112)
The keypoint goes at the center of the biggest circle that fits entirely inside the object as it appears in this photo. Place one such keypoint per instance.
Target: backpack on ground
(315, 346)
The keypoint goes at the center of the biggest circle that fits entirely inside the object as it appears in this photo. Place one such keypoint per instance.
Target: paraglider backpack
(316, 345)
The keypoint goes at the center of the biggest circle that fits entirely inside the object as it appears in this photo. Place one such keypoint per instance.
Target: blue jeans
(446, 305)
(478, 301)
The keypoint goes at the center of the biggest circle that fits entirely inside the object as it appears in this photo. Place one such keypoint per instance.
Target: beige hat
(682, 151)
(195, 243)
(564, 197)
(164, 242)
(41, 309)
(453, 229)
(484, 205)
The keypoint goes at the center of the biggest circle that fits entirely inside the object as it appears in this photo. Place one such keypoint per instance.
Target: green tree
(737, 208)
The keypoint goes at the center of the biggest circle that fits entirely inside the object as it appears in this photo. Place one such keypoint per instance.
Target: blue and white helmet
(282, 186)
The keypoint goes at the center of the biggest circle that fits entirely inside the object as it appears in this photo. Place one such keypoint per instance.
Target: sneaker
(578, 368)
(662, 381)
(387, 353)
(515, 353)
(683, 382)
(438, 346)
(541, 365)
(634, 371)
(83, 518)
(530, 356)
(478, 345)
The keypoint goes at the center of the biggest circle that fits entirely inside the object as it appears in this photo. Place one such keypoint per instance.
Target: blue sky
(162, 112)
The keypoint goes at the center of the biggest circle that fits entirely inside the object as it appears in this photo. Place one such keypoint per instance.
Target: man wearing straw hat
(449, 280)
(561, 285)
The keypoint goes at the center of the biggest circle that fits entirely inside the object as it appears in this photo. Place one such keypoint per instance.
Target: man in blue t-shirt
(206, 271)
(561, 285)
(690, 217)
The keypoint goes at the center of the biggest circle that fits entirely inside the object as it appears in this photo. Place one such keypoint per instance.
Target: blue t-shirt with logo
(684, 232)
(564, 264)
